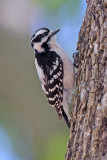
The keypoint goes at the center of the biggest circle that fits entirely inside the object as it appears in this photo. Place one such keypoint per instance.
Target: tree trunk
(88, 133)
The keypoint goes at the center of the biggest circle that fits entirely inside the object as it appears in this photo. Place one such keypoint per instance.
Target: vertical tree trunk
(88, 133)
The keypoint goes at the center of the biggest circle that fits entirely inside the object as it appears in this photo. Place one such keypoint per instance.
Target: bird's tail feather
(66, 119)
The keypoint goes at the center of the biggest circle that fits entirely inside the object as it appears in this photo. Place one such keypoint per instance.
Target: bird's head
(42, 39)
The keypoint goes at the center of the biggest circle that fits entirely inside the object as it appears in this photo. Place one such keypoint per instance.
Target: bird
(55, 71)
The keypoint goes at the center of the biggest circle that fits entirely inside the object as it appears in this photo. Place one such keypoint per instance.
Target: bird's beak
(53, 33)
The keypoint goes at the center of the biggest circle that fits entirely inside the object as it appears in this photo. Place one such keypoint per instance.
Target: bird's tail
(66, 119)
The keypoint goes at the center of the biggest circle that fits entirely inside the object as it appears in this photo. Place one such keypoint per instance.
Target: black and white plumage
(55, 71)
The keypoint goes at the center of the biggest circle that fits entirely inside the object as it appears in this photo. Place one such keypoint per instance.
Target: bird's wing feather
(54, 85)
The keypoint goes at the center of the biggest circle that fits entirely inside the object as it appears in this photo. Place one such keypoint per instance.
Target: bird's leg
(76, 59)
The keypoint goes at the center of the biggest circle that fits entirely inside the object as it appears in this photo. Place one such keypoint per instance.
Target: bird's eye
(45, 34)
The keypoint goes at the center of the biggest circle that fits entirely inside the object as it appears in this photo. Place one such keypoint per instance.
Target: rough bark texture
(88, 134)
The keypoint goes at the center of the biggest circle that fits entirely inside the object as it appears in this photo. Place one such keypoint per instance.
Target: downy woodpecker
(55, 71)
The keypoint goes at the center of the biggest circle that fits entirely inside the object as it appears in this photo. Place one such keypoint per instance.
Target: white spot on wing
(51, 72)
(59, 73)
(52, 89)
(55, 76)
(55, 67)
(52, 80)
(53, 98)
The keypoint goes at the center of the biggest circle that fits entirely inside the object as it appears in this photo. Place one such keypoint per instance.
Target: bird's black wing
(54, 83)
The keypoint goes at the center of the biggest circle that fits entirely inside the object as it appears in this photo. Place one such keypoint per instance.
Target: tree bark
(88, 133)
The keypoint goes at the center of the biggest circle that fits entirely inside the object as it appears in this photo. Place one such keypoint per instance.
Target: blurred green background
(29, 127)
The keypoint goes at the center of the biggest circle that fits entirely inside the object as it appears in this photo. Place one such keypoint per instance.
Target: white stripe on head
(40, 32)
